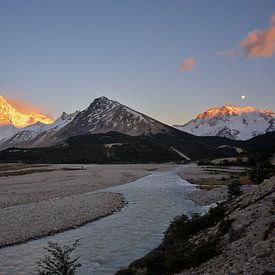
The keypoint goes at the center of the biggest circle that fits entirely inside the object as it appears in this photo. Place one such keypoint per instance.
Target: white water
(115, 241)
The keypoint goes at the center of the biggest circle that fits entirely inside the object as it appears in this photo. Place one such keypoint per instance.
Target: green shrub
(176, 252)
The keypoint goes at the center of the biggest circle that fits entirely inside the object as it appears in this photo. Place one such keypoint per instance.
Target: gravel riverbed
(34, 220)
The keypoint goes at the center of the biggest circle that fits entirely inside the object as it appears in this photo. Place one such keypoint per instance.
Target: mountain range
(103, 115)
(239, 123)
(110, 132)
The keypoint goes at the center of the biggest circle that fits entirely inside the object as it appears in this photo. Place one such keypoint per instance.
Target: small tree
(59, 261)
(234, 189)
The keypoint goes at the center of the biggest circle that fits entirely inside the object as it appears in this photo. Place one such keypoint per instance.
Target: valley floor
(39, 200)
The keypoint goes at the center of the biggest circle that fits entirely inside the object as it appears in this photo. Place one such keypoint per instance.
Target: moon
(243, 97)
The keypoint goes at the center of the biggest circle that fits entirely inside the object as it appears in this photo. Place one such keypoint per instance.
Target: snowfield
(240, 123)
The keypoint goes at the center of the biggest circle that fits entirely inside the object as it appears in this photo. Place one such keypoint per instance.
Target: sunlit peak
(10, 114)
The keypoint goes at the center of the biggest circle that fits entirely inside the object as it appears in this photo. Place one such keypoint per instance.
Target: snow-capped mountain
(9, 115)
(28, 136)
(239, 123)
(103, 115)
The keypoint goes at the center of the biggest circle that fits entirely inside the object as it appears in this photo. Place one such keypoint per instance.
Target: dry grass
(219, 181)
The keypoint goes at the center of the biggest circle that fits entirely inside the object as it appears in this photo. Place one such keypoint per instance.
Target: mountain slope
(240, 123)
(115, 147)
(103, 115)
(31, 135)
(237, 237)
(10, 116)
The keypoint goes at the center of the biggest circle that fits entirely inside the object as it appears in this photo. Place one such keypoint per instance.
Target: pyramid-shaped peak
(102, 98)
(103, 102)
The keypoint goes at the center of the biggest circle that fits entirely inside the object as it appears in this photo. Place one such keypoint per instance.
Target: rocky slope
(232, 122)
(103, 115)
(235, 238)
(248, 247)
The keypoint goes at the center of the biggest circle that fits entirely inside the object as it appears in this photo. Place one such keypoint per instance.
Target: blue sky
(60, 55)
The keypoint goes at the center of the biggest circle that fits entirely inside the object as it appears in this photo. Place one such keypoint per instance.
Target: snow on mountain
(27, 135)
(10, 116)
(104, 115)
(240, 123)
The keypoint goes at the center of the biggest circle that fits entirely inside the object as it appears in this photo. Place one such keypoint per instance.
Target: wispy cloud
(257, 44)
(187, 65)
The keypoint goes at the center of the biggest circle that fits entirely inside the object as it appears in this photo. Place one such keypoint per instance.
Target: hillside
(235, 238)
(114, 147)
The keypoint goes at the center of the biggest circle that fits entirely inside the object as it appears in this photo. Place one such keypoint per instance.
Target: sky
(168, 59)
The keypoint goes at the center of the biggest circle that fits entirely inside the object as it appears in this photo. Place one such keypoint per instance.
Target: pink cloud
(187, 65)
(259, 43)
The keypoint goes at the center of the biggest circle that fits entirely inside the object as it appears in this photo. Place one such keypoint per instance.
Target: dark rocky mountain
(103, 115)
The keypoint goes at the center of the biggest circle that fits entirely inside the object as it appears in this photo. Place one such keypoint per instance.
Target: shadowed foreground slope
(236, 238)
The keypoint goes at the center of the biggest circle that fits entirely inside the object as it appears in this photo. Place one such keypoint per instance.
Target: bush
(234, 189)
(261, 167)
(176, 251)
(262, 171)
(59, 261)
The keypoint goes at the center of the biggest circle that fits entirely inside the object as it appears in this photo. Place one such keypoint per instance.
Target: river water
(115, 241)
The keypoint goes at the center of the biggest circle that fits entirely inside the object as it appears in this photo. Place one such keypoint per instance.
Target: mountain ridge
(101, 116)
(9, 115)
(239, 123)
(105, 115)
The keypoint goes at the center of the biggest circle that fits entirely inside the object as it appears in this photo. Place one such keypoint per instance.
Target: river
(115, 241)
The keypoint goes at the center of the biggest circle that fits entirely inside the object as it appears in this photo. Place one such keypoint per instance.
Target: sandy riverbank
(41, 200)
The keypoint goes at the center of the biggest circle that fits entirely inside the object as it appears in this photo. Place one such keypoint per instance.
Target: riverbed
(115, 241)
